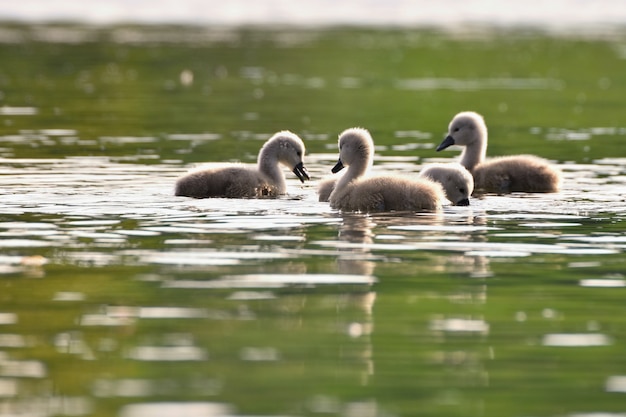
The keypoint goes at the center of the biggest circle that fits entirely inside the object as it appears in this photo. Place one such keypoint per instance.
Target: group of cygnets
(357, 191)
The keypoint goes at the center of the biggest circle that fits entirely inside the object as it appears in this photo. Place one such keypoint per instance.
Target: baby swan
(515, 173)
(457, 182)
(240, 181)
(325, 188)
(352, 192)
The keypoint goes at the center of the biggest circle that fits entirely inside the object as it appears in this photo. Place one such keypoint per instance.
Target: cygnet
(515, 173)
(356, 192)
(242, 181)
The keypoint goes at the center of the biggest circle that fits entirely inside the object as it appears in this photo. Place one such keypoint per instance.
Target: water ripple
(456, 84)
(274, 281)
(576, 339)
(168, 409)
(167, 353)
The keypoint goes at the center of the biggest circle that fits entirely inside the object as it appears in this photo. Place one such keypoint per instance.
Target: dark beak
(448, 141)
(338, 167)
(300, 171)
(464, 202)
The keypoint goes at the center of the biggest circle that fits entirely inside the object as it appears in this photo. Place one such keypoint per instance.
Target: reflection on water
(261, 272)
(117, 298)
(355, 229)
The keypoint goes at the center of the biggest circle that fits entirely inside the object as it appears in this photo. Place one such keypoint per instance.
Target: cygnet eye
(299, 153)
(456, 129)
(462, 190)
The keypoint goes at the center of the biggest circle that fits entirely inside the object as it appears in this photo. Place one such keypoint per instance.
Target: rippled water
(118, 298)
(99, 214)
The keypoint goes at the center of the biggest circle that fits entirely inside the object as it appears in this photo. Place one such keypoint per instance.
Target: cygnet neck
(474, 153)
(268, 164)
(357, 168)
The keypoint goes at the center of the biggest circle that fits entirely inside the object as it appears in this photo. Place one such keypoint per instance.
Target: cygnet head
(288, 149)
(466, 129)
(457, 182)
(356, 147)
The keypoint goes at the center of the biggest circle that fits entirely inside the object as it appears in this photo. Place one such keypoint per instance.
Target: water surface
(120, 299)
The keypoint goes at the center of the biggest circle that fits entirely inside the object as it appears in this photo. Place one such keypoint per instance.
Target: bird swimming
(244, 181)
(457, 182)
(356, 192)
(505, 174)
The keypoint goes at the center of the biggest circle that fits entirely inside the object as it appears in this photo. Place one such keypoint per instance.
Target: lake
(119, 299)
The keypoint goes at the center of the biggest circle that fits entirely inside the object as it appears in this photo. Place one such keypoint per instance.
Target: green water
(117, 298)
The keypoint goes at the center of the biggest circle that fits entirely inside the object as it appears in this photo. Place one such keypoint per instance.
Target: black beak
(464, 202)
(300, 171)
(448, 141)
(338, 167)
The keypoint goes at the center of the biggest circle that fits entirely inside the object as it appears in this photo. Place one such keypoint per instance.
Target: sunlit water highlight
(84, 193)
